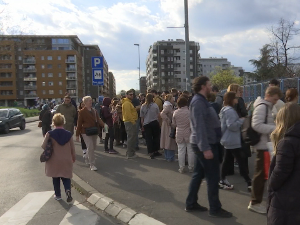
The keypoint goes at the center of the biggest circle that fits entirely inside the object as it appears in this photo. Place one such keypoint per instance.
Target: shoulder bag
(47, 153)
(92, 130)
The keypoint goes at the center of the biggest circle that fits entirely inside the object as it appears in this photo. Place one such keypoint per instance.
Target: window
(21, 92)
(172, 59)
(19, 49)
(49, 58)
(169, 73)
(20, 67)
(191, 58)
(59, 57)
(87, 71)
(50, 74)
(42, 58)
(162, 52)
(60, 83)
(172, 73)
(43, 84)
(51, 92)
(162, 59)
(20, 57)
(60, 92)
(43, 66)
(163, 66)
(168, 58)
(50, 83)
(43, 74)
(59, 74)
(171, 65)
(59, 66)
(49, 66)
(191, 66)
(44, 92)
(162, 74)
(191, 51)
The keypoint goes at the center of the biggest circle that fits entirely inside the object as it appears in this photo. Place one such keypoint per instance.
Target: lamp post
(138, 45)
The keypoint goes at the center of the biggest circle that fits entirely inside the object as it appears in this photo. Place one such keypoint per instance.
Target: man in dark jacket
(219, 97)
(46, 118)
(205, 136)
(107, 119)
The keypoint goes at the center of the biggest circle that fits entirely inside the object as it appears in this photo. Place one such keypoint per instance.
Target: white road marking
(79, 215)
(25, 209)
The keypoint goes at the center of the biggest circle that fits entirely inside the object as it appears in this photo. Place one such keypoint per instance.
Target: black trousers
(83, 145)
(237, 154)
(152, 136)
(111, 137)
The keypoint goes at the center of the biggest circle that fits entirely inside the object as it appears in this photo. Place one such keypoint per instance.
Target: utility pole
(187, 46)
(139, 66)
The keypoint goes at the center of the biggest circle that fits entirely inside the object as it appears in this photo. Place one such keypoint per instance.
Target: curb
(111, 207)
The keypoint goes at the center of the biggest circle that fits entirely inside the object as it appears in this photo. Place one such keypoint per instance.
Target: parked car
(54, 109)
(11, 118)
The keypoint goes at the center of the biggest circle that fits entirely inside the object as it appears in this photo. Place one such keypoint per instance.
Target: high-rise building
(166, 64)
(44, 67)
(112, 85)
(143, 85)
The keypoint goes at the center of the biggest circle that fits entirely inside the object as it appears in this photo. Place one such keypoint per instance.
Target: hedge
(26, 112)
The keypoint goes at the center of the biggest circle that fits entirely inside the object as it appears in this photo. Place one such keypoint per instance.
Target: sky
(233, 29)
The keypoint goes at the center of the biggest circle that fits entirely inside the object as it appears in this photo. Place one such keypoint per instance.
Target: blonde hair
(58, 120)
(286, 118)
(86, 98)
(271, 91)
(168, 97)
(233, 87)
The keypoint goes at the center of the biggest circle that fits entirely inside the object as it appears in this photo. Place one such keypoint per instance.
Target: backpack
(249, 135)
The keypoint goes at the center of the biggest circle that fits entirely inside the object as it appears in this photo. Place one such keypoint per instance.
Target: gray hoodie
(258, 122)
(231, 128)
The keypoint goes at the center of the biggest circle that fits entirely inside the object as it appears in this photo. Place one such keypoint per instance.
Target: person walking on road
(46, 118)
(68, 110)
(181, 121)
(149, 119)
(231, 140)
(88, 118)
(83, 145)
(108, 120)
(166, 142)
(284, 179)
(98, 107)
(205, 136)
(130, 118)
(60, 165)
(263, 123)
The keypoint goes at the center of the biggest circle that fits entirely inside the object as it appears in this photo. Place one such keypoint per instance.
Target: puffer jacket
(258, 122)
(231, 128)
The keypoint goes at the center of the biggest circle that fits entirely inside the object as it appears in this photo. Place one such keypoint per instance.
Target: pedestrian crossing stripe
(24, 211)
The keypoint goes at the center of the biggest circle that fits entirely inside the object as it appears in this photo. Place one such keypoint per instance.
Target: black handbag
(172, 133)
(47, 153)
(90, 131)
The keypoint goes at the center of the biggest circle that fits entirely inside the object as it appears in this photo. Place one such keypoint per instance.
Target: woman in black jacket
(46, 118)
(284, 177)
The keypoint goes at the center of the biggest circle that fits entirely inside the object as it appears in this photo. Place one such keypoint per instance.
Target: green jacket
(69, 112)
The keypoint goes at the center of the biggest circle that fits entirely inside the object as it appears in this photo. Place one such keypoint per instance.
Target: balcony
(29, 70)
(30, 78)
(30, 87)
(70, 69)
(29, 61)
(154, 62)
(154, 69)
(70, 60)
(31, 96)
(71, 78)
(73, 95)
(71, 86)
(155, 77)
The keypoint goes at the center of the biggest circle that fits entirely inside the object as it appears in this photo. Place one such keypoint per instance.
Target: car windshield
(3, 112)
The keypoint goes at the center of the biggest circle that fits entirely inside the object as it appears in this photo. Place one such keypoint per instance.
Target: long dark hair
(149, 99)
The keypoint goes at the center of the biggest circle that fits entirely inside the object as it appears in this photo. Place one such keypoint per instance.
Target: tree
(223, 78)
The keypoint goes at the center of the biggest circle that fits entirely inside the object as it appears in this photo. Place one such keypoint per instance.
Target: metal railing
(29, 70)
(70, 69)
(28, 87)
(29, 61)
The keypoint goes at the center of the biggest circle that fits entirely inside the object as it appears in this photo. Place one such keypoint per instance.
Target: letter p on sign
(97, 62)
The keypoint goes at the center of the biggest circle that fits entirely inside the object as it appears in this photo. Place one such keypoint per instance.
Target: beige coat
(181, 120)
(61, 162)
(165, 141)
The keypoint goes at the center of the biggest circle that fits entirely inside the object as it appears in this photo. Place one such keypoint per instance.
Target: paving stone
(142, 219)
(126, 215)
(115, 208)
(103, 203)
(94, 198)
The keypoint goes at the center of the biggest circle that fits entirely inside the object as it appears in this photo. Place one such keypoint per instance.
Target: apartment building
(143, 85)
(94, 91)
(208, 65)
(112, 85)
(38, 68)
(166, 64)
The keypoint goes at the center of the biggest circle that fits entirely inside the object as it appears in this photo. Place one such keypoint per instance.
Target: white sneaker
(259, 208)
(181, 170)
(224, 184)
(191, 169)
(94, 168)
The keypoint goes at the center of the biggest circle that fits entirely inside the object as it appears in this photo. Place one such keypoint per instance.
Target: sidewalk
(157, 189)
(32, 119)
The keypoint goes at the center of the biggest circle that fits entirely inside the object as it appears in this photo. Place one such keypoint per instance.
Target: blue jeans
(169, 155)
(209, 169)
(56, 185)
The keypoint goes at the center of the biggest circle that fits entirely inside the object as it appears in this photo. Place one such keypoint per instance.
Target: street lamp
(139, 66)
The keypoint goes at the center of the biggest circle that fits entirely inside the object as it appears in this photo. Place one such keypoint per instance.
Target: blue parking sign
(97, 62)
(98, 77)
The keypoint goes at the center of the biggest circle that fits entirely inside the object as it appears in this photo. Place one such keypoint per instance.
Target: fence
(252, 91)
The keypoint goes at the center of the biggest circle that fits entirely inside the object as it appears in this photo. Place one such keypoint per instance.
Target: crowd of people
(206, 130)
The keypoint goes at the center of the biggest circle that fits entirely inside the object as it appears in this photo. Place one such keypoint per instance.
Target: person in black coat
(283, 205)
(46, 118)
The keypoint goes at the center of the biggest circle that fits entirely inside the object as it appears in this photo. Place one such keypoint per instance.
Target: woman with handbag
(149, 119)
(166, 142)
(60, 165)
(45, 119)
(88, 126)
(181, 121)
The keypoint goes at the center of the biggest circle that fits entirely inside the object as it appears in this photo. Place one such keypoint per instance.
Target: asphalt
(157, 189)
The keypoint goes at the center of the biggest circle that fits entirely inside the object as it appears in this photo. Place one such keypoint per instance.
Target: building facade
(38, 68)
(165, 64)
(112, 85)
(143, 85)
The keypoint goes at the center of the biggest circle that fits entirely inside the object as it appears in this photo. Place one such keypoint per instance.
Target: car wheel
(6, 129)
(23, 124)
